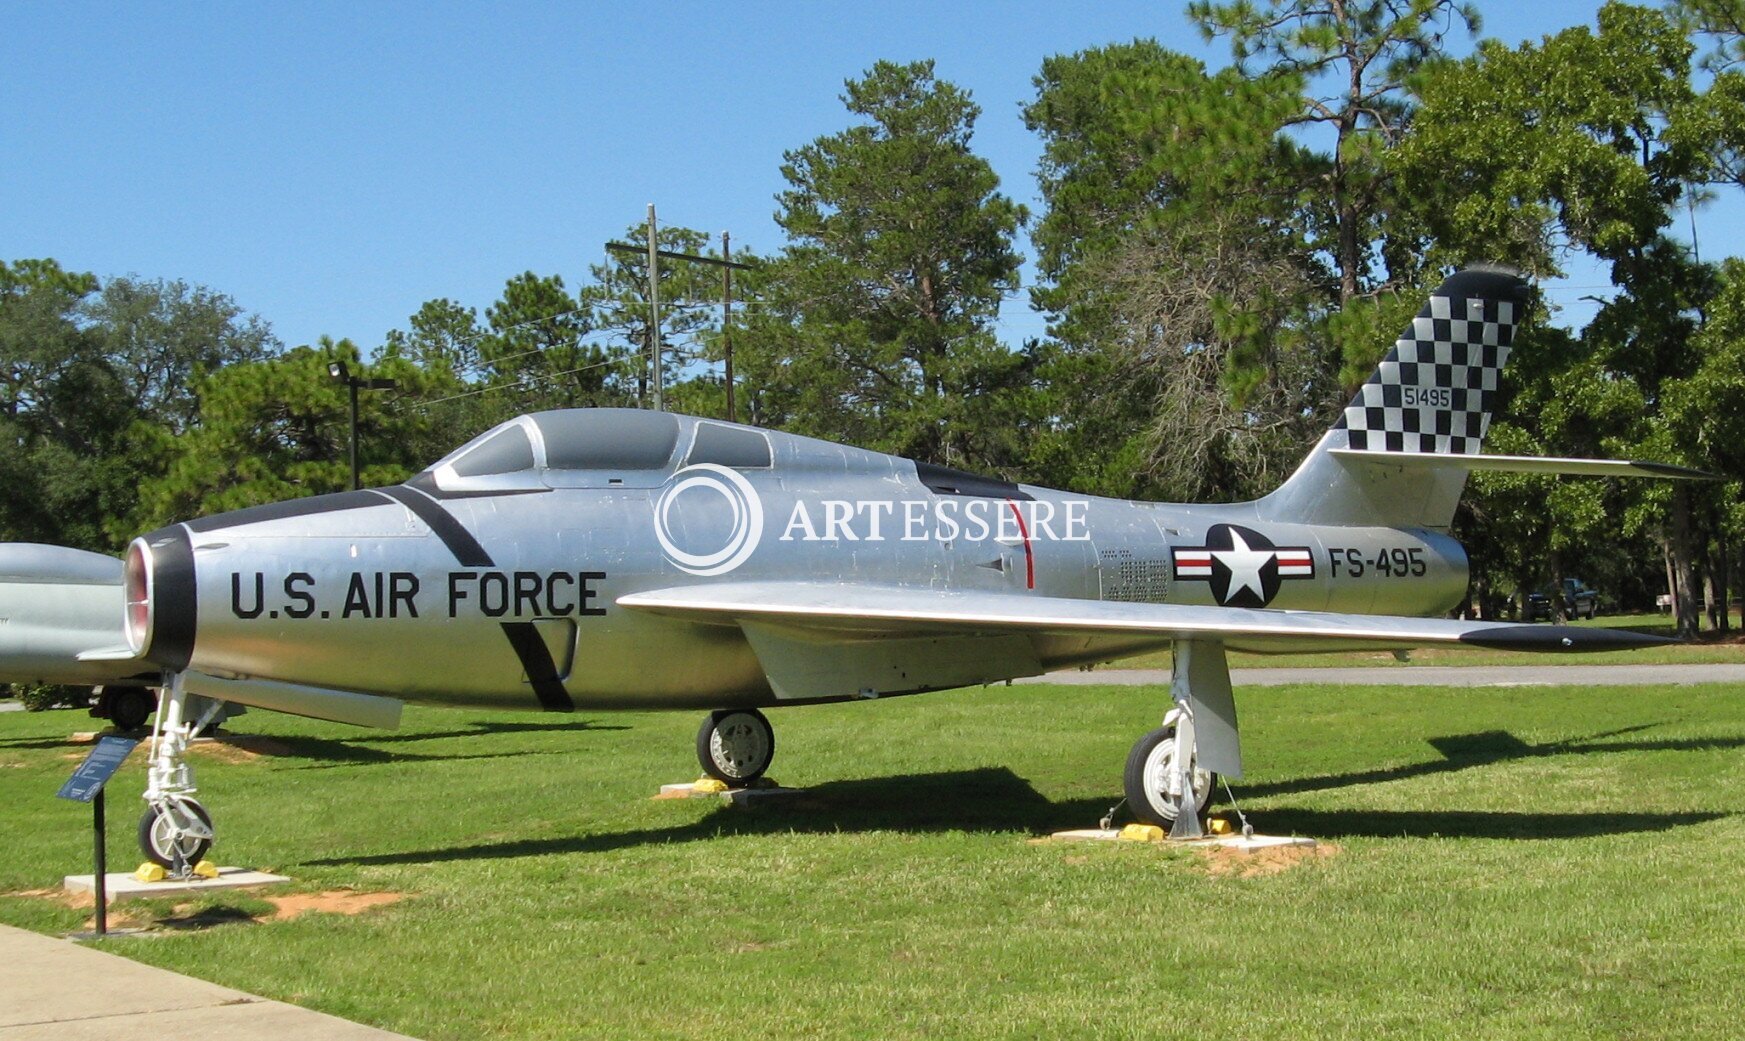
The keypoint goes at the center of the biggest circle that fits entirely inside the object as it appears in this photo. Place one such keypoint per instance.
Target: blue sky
(331, 166)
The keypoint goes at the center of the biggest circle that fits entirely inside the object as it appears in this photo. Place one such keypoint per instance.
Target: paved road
(56, 990)
(1432, 676)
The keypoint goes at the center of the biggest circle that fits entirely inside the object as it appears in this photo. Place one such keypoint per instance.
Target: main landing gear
(735, 746)
(176, 831)
(1153, 781)
(1172, 772)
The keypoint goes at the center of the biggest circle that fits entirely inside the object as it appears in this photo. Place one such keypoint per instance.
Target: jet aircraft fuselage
(493, 578)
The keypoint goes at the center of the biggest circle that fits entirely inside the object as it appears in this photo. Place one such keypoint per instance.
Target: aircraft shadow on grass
(1485, 748)
(332, 753)
(997, 800)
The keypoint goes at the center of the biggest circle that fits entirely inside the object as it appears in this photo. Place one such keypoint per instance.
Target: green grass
(1706, 650)
(1512, 864)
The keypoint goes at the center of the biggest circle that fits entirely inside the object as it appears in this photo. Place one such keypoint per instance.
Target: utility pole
(724, 262)
(654, 309)
(727, 317)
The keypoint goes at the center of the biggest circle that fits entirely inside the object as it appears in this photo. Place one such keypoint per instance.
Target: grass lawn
(1511, 864)
(1706, 649)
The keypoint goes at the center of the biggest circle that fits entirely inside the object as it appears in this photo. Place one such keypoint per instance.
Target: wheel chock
(1143, 833)
(709, 786)
(1219, 826)
(151, 871)
(206, 869)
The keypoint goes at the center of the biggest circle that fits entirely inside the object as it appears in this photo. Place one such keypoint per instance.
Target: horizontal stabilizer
(851, 612)
(1523, 464)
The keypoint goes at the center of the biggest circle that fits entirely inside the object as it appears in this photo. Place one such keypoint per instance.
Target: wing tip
(1562, 639)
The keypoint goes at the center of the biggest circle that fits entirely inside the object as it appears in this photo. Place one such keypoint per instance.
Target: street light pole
(340, 372)
(351, 385)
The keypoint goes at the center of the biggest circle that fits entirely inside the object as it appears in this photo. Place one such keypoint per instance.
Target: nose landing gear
(175, 831)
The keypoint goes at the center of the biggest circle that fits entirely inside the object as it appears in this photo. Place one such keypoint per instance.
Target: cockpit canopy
(595, 448)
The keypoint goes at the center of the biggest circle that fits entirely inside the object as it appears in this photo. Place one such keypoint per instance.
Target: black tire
(156, 845)
(130, 707)
(735, 746)
(1149, 806)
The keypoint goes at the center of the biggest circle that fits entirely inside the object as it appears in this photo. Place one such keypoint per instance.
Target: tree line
(1222, 255)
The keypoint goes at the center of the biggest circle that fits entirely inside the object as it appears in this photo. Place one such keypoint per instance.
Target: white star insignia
(1244, 565)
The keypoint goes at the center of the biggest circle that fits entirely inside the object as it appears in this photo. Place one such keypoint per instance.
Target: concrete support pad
(126, 887)
(740, 798)
(1238, 843)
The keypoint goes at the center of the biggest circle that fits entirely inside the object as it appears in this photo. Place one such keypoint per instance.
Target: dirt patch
(240, 748)
(115, 919)
(59, 896)
(334, 901)
(1227, 862)
(191, 916)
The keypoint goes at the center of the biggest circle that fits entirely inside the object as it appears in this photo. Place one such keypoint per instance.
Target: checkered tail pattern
(1436, 389)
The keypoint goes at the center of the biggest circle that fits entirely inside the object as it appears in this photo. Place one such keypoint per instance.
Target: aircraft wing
(812, 637)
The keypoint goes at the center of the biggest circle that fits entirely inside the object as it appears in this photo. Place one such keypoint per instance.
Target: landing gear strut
(1172, 772)
(735, 746)
(176, 831)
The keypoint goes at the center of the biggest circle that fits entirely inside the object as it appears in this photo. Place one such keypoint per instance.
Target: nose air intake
(158, 584)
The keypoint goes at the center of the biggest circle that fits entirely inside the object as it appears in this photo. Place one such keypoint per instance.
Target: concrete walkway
(58, 990)
(1431, 676)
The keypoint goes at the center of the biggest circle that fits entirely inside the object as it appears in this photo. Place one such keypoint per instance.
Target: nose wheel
(735, 746)
(175, 831)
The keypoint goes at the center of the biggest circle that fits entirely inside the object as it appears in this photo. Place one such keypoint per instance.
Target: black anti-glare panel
(946, 481)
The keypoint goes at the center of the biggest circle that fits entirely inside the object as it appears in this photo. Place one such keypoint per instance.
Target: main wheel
(129, 707)
(1150, 767)
(736, 745)
(157, 836)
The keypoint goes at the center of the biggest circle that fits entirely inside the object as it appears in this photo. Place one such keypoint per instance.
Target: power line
(520, 384)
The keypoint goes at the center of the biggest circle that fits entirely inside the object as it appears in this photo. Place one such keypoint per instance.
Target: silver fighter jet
(606, 558)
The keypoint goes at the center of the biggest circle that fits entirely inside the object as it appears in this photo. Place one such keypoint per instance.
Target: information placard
(97, 768)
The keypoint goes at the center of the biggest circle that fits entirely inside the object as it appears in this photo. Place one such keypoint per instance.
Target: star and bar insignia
(1243, 566)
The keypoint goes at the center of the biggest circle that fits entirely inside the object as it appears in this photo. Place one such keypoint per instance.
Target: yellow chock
(151, 871)
(1219, 826)
(206, 869)
(709, 785)
(1142, 833)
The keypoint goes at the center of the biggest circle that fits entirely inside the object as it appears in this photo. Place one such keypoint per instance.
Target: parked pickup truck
(1579, 601)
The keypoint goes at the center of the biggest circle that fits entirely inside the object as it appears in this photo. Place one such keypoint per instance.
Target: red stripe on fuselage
(1029, 557)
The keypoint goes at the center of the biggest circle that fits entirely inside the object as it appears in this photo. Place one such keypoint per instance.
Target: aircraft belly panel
(803, 666)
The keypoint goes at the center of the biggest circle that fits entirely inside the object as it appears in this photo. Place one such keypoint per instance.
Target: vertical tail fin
(1432, 395)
